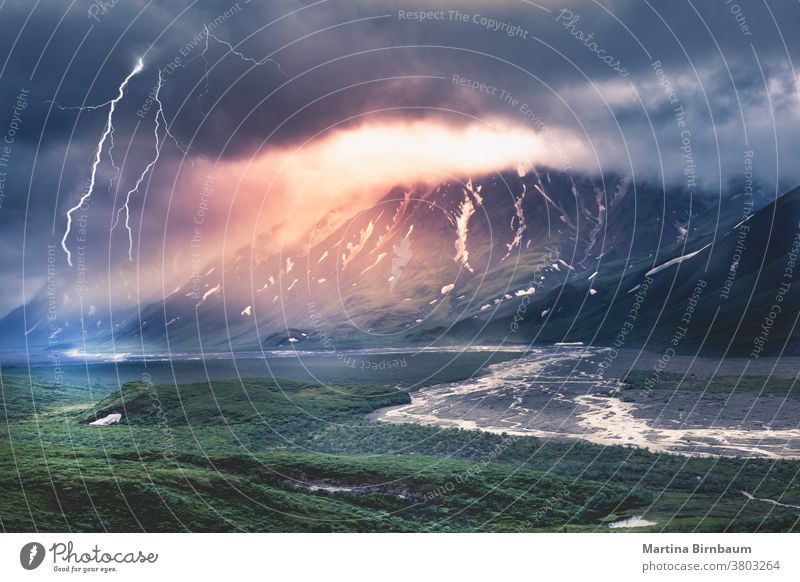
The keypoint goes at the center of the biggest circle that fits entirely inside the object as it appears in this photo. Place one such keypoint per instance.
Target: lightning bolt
(107, 130)
(111, 154)
(92, 108)
(32, 555)
(167, 132)
(231, 49)
(205, 73)
(263, 61)
(78, 107)
(126, 207)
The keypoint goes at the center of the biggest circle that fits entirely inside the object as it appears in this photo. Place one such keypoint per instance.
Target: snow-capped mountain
(530, 255)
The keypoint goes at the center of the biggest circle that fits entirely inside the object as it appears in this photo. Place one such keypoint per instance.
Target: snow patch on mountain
(375, 264)
(353, 248)
(519, 219)
(675, 261)
(466, 210)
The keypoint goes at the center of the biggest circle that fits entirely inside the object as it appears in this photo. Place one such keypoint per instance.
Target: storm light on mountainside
(341, 172)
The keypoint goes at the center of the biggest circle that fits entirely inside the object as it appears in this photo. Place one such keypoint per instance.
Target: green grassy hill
(283, 456)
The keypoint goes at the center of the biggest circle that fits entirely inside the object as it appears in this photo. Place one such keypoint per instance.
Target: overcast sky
(660, 91)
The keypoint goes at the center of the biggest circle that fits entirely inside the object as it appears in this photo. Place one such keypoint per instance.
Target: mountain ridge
(532, 255)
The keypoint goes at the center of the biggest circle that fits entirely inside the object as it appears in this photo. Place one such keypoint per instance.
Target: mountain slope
(419, 262)
(531, 255)
(716, 292)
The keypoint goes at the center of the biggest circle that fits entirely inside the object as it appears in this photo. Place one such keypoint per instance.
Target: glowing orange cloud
(329, 179)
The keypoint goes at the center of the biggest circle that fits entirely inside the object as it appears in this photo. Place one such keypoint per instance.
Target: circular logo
(31, 555)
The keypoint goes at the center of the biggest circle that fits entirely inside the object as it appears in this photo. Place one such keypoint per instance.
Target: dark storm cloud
(729, 66)
(337, 52)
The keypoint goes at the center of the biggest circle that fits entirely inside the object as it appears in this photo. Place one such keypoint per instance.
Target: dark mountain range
(525, 256)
